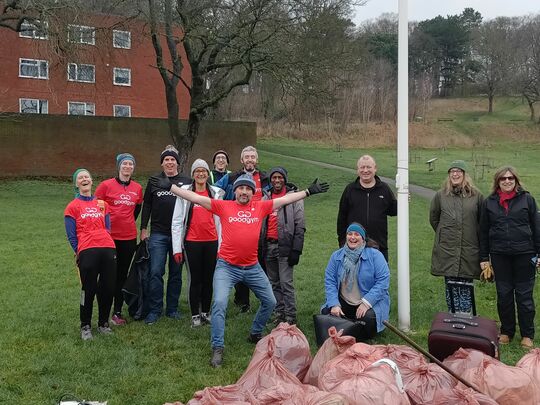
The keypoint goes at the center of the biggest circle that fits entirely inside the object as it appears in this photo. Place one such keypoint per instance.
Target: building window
(38, 69)
(80, 108)
(122, 39)
(36, 30)
(81, 34)
(122, 110)
(33, 106)
(81, 73)
(122, 76)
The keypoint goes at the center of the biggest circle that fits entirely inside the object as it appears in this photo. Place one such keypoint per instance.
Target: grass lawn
(42, 356)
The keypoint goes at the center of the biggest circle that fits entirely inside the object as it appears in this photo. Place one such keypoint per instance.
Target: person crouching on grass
(88, 231)
(241, 222)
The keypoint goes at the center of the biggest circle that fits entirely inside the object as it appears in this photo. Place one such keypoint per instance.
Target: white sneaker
(195, 321)
(86, 332)
(205, 317)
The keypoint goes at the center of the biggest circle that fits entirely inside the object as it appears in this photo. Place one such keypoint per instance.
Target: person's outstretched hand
(316, 187)
(160, 182)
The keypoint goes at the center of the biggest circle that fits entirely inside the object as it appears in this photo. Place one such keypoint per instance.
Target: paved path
(418, 190)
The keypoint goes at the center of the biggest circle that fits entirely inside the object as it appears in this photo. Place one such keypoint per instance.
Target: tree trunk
(187, 140)
(490, 103)
(531, 108)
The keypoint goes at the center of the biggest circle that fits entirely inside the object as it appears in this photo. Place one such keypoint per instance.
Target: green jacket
(455, 220)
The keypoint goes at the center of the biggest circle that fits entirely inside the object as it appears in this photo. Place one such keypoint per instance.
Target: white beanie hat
(198, 164)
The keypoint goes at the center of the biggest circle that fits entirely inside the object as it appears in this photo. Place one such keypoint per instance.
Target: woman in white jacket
(196, 234)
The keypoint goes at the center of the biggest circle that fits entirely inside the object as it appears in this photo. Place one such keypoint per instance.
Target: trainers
(151, 318)
(174, 315)
(245, 308)
(527, 343)
(86, 332)
(277, 318)
(205, 317)
(117, 320)
(217, 357)
(105, 329)
(195, 321)
(254, 337)
(504, 339)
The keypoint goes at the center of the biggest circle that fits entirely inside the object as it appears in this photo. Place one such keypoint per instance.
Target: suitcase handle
(460, 321)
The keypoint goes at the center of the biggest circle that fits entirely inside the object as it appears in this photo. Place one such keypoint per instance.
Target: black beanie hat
(169, 152)
(280, 170)
(217, 153)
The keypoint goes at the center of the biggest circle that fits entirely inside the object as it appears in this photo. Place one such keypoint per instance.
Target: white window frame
(31, 30)
(120, 32)
(42, 106)
(115, 70)
(115, 106)
(85, 106)
(80, 34)
(34, 63)
(77, 67)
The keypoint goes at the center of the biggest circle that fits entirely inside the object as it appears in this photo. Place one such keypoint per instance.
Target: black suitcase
(450, 331)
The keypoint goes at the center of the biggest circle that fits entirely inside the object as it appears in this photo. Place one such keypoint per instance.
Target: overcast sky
(425, 9)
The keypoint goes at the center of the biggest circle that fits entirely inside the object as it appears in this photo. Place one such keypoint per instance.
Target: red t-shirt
(202, 227)
(122, 201)
(240, 229)
(272, 230)
(90, 221)
(257, 195)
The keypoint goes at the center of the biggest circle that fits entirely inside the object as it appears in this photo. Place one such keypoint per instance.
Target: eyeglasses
(509, 178)
(453, 171)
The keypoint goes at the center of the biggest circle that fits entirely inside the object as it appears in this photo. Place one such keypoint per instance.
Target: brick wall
(49, 145)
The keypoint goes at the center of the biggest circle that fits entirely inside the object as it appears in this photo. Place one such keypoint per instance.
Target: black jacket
(515, 232)
(158, 205)
(368, 207)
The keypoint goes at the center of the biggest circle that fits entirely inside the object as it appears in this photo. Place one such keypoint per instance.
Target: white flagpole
(402, 177)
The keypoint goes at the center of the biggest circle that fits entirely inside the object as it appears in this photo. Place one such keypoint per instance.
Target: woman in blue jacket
(356, 283)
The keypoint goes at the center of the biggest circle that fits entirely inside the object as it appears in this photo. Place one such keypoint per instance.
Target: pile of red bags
(346, 373)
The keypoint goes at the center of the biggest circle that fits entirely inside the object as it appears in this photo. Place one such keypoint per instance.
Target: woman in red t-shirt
(87, 227)
(124, 197)
(197, 232)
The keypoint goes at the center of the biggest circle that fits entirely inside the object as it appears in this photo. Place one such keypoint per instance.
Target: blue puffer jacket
(373, 281)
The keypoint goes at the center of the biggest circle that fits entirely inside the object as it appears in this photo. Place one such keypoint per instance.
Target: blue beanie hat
(356, 227)
(245, 180)
(121, 157)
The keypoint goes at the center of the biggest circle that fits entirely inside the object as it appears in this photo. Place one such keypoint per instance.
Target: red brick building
(106, 69)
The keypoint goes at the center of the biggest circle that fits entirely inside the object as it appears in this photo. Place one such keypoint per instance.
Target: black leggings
(201, 261)
(124, 254)
(97, 269)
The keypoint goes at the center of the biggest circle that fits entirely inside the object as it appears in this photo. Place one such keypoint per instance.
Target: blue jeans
(225, 277)
(159, 246)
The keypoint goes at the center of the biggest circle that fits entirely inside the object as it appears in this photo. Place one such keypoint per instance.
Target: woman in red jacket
(124, 197)
(87, 227)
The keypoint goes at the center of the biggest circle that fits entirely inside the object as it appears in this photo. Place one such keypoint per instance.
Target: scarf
(351, 266)
(505, 197)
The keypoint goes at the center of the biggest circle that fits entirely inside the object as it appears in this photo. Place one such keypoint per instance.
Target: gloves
(179, 258)
(294, 257)
(160, 182)
(487, 272)
(316, 187)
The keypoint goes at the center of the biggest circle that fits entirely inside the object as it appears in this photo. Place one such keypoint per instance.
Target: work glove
(160, 182)
(179, 258)
(487, 273)
(316, 187)
(294, 257)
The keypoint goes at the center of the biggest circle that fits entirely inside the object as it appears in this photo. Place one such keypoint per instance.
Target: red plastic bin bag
(462, 396)
(227, 395)
(423, 380)
(332, 347)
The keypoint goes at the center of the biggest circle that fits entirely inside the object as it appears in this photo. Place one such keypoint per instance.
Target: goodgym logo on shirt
(91, 212)
(244, 217)
(125, 199)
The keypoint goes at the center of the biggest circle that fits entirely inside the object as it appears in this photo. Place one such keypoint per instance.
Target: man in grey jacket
(281, 244)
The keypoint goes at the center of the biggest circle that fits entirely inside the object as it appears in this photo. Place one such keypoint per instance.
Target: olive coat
(455, 220)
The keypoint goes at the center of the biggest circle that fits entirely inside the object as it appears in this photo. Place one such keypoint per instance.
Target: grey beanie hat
(280, 170)
(121, 157)
(245, 180)
(198, 164)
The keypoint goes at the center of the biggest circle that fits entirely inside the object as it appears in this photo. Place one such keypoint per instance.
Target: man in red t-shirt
(241, 222)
